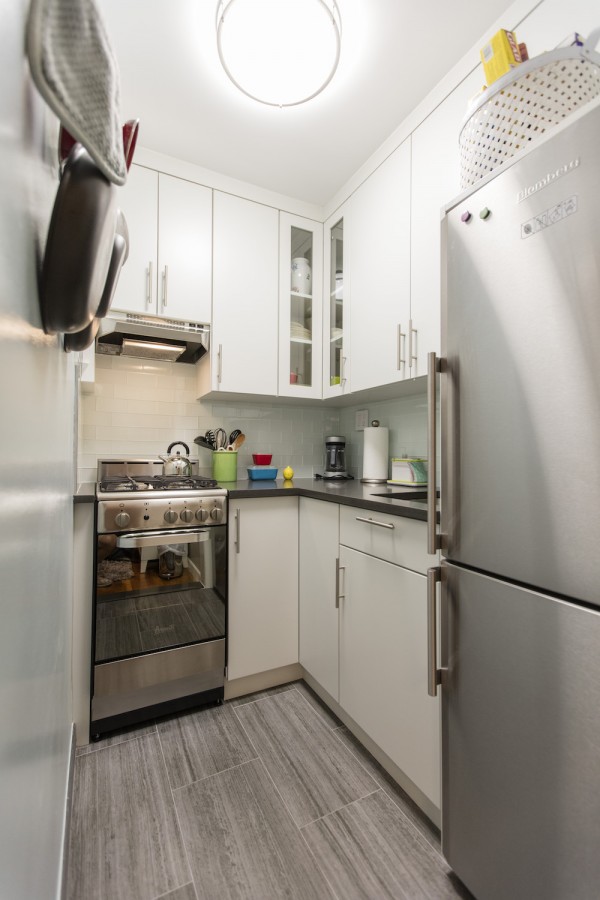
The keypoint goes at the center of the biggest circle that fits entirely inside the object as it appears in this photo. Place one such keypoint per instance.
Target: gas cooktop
(130, 483)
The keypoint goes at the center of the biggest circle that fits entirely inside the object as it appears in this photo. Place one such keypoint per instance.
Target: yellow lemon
(288, 473)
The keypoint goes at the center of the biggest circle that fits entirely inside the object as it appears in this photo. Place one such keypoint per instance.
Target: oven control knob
(202, 514)
(216, 513)
(122, 519)
(186, 515)
(170, 516)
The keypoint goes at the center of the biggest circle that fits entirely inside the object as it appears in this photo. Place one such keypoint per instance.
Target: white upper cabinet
(435, 181)
(300, 306)
(184, 249)
(168, 272)
(336, 319)
(244, 342)
(379, 267)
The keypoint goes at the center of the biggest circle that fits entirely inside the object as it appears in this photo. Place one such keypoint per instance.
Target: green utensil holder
(224, 465)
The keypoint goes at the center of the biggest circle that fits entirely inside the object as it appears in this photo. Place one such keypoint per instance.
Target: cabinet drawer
(395, 539)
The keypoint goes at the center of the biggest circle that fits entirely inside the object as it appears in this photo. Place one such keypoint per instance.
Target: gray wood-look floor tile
(311, 768)
(112, 607)
(317, 704)
(183, 893)
(207, 613)
(165, 626)
(241, 842)
(203, 742)
(369, 850)
(261, 695)
(118, 737)
(116, 637)
(125, 841)
(385, 781)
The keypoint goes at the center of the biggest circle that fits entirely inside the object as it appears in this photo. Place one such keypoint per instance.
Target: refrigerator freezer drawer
(520, 739)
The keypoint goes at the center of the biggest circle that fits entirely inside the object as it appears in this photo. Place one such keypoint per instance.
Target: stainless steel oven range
(160, 594)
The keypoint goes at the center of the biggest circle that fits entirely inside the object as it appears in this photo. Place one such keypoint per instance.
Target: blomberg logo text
(546, 180)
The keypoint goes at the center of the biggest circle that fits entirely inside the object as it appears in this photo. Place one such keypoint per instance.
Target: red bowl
(262, 459)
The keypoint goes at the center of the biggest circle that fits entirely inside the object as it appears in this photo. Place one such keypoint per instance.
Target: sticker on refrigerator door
(549, 217)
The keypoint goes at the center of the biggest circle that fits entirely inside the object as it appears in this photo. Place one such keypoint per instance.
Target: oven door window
(159, 590)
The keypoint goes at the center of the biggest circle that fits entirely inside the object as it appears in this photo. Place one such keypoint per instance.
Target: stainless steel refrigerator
(519, 666)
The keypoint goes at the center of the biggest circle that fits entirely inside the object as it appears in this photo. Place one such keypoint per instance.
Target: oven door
(160, 619)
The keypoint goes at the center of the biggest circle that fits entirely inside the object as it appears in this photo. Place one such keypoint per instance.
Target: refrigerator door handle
(433, 367)
(434, 675)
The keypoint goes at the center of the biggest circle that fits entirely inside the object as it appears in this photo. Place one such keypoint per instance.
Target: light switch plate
(361, 419)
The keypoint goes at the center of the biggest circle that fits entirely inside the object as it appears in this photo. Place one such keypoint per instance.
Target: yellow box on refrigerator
(500, 55)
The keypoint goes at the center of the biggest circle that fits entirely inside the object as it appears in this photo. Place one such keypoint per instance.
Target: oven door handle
(148, 538)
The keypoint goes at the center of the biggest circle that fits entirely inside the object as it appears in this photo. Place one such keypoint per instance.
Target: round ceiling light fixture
(279, 52)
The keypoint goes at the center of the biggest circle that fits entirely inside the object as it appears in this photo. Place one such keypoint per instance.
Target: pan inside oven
(160, 623)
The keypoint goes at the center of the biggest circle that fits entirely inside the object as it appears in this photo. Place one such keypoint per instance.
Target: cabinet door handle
(433, 673)
(375, 522)
(343, 371)
(401, 360)
(149, 284)
(237, 540)
(338, 596)
(220, 363)
(411, 356)
(165, 286)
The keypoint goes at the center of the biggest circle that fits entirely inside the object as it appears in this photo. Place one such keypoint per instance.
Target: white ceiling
(393, 53)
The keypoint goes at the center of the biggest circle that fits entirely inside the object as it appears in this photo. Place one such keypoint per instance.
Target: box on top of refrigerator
(500, 55)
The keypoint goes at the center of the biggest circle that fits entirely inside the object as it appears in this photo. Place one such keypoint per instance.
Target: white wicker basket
(525, 103)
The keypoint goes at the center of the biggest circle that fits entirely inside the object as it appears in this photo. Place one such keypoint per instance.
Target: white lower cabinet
(383, 664)
(319, 549)
(369, 653)
(263, 585)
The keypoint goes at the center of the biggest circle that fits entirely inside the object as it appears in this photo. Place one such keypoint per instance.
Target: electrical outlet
(361, 419)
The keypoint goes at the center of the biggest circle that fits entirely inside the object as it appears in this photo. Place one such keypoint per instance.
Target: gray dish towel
(75, 70)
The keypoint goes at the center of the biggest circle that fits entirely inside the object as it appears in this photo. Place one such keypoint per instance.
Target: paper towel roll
(375, 454)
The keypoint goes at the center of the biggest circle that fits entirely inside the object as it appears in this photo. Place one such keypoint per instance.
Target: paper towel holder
(374, 424)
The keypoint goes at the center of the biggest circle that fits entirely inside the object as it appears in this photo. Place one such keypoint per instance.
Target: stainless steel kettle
(176, 464)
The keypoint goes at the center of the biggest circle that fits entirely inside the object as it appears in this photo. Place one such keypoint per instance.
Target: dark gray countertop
(348, 493)
(85, 493)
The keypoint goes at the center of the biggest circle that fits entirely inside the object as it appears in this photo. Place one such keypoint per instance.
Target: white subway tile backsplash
(139, 407)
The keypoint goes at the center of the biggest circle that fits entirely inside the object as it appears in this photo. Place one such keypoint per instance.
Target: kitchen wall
(406, 418)
(141, 406)
(36, 503)
(138, 407)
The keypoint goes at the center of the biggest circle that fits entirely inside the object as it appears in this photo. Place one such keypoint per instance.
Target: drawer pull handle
(374, 522)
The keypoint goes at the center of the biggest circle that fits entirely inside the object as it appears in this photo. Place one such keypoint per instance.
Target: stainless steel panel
(147, 513)
(521, 389)
(156, 538)
(521, 740)
(134, 683)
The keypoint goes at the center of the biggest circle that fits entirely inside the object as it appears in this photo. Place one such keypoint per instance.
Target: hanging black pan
(80, 246)
(80, 340)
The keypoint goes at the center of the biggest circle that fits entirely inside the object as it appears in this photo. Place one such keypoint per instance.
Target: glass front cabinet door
(301, 280)
(335, 320)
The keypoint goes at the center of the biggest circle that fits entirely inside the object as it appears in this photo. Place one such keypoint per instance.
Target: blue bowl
(262, 473)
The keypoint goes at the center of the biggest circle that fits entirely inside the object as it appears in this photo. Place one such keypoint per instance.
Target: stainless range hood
(151, 337)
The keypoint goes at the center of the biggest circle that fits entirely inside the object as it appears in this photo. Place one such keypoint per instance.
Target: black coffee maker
(335, 457)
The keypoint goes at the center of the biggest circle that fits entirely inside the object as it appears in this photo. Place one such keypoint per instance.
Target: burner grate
(114, 483)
